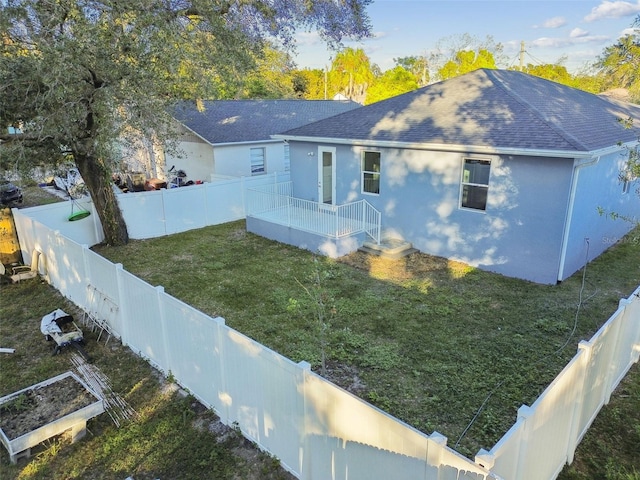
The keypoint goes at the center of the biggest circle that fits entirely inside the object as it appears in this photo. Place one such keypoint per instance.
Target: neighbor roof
(232, 121)
(487, 108)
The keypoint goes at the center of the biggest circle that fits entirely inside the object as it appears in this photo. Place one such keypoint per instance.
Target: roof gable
(494, 108)
(232, 121)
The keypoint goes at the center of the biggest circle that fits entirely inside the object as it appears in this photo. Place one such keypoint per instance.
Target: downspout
(578, 164)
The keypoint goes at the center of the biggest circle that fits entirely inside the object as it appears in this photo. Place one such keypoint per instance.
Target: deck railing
(275, 204)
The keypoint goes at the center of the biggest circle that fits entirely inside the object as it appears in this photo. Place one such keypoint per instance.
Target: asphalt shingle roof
(230, 121)
(494, 108)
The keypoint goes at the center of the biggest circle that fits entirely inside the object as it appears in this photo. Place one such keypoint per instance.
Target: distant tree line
(352, 75)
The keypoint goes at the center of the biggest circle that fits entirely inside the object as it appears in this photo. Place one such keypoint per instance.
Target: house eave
(246, 142)
(195, 133)
(442, 147)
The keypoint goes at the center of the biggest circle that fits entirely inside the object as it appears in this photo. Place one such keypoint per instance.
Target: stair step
(390, 248)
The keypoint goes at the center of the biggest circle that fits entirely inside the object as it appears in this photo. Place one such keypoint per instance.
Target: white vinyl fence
(546, 434)
(161, 212)
(316, 429)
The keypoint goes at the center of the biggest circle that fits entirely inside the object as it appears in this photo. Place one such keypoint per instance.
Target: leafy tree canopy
(272, 76)
(351, 73)
(311, 84)
(619, 64)
(418, 66)
(466, 61)
(460, 54)
(78, 77)
(392, 82)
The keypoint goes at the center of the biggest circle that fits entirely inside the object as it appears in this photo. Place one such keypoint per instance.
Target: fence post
(525, 413)
(435, 444)
(165, 192)
(87, 276)
(224, 399)
(166, 344)
(584, 350)
(635, 353)
(243, 194)
(611, 373)
(304, 455)
(123, 307)
(485, 459)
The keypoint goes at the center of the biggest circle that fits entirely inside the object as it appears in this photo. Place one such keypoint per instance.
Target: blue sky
(551, 29)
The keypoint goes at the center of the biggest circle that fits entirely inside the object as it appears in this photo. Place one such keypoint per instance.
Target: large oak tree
(79, 77)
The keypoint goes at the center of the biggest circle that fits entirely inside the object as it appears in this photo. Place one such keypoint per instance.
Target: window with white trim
(475, 183)
(257, 161)
(371, 172)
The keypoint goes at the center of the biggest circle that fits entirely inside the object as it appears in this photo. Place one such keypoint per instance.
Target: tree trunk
(97, 178)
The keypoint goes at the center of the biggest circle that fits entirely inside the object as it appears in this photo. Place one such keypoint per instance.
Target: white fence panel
(601, 348)
(549, 425)
(102, 291)
(263, 396)
(65, 263)
(546, 434)
(628, 344)
(183, 208)
(143, 213)
(334, 417)
(503, 458)
(225, 201)
(144, 331)
(194, 357)
(56, 216)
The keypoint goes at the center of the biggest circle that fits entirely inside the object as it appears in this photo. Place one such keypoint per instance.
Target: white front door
(326, 175)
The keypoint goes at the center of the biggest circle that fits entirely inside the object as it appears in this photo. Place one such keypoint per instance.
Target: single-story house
(499, 169)
(232, 138)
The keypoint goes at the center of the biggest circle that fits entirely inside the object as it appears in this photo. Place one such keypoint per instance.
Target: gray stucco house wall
(521, 230)
(598, 187)
(554, 158)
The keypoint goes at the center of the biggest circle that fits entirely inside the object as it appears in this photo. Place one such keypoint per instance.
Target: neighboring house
(232, 138)
(498, 169)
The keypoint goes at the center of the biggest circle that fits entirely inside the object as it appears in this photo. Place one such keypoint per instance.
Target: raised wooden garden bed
(36, 413)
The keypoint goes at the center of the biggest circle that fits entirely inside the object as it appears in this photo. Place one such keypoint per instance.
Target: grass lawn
(423, 338)
(172, 436)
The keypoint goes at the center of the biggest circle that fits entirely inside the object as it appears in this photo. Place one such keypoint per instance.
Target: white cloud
(566, 42)
(554, 22)
(308, 38)
(627, 31)
(613, 9)
(578, 33)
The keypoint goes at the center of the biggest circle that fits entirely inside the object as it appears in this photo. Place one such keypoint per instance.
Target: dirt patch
(345, 376)
(40, 406)
(413, 266)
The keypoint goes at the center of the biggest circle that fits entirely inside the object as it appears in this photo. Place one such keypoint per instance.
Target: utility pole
(522, 55)
(424, 69)
(325, 82)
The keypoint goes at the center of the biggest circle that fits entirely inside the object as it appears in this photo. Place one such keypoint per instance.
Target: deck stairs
(391, 248)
